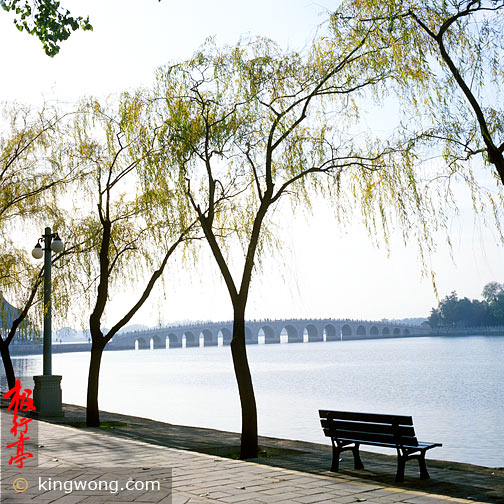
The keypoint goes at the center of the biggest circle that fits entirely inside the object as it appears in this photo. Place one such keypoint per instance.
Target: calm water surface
(452, 386)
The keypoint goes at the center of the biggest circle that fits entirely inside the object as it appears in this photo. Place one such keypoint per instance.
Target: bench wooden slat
(425, 444)
(366, 437)
(400, 430)
(366, 417)
(379, 443)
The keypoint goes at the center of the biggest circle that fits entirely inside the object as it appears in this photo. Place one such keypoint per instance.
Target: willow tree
(21, 280)
(31, 161)
(131, 231)
(18, 277)
(32, 175)
(250, 126)
(449, 71)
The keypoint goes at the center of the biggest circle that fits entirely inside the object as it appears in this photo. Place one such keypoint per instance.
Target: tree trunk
(497, 159)
(7, 362)
(249, 444)
(92, 412)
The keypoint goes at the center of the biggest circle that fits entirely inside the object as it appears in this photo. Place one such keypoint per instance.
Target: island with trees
(453, 312)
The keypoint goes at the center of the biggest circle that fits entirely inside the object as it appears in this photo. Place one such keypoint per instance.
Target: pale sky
(322, 270)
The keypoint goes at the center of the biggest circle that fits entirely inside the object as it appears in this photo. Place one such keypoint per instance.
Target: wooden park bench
(349, 430)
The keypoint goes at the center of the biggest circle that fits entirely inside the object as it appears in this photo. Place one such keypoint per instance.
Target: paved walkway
(298, 475)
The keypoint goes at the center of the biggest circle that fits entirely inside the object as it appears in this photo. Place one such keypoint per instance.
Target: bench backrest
(369, 427)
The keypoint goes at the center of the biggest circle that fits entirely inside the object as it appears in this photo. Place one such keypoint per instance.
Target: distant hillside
(70, 335)
(133, 327)
(411, 320)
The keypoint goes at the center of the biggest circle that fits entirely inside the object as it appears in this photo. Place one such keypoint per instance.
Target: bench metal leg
(336, 451)
(403, 456)
(357, 460)
(424, 474)
(401, 462)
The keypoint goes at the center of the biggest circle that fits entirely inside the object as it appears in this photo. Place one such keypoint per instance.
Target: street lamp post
(47, 390)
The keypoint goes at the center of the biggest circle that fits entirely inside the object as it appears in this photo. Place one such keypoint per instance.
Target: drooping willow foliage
(446, 65)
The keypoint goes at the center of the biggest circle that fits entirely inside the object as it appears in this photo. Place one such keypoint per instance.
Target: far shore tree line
(198, 162)
(453, 312)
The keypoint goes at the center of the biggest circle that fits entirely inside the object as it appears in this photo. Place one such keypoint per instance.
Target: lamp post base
(47, 396)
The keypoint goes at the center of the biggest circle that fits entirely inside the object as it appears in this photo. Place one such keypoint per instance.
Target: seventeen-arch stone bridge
(264, 331)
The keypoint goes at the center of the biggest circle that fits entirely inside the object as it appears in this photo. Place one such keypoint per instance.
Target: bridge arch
(331, 333)
(225, 335)
(396, 331)
(173, 341)
(292, 334)
(346, 331)
(269, 335)
(374, 331)
(190, 339)
(207, 338)
(250, 339)
(361, 331)
(406, 332)
(385, 331)
(155, 342)
(141, 344)
(312, 333)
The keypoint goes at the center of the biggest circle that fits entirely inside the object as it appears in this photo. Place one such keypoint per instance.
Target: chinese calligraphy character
(21, 455)
(19, 401)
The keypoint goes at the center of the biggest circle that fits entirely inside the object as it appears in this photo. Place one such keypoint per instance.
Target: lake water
(452, 386)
